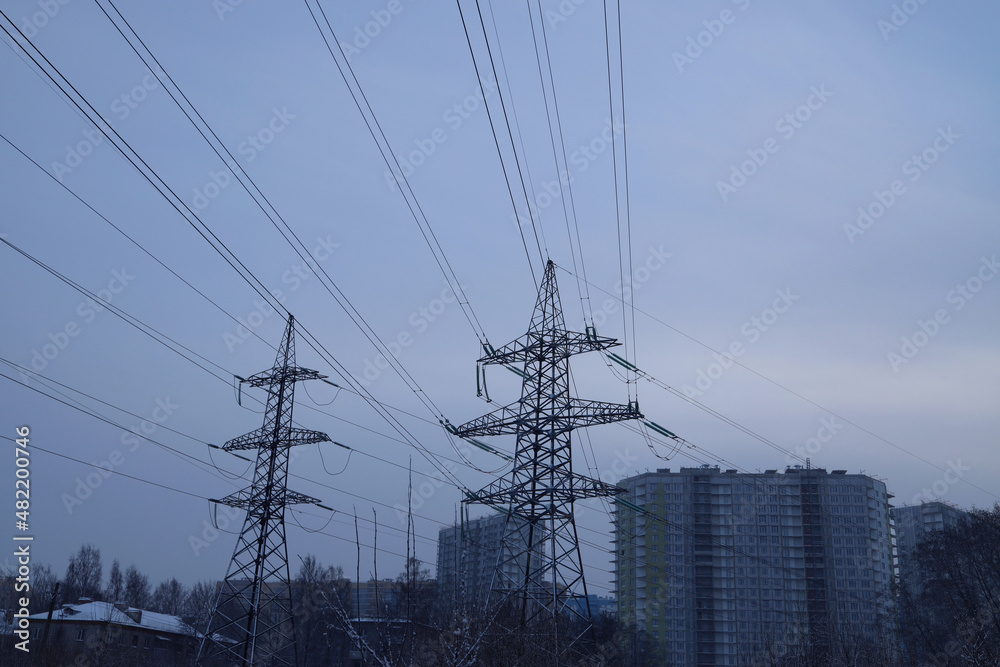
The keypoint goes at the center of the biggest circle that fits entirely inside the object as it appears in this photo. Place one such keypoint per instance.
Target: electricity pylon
(539, 567)
(252, 623)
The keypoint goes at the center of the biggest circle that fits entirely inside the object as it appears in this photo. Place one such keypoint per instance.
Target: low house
(101, 626)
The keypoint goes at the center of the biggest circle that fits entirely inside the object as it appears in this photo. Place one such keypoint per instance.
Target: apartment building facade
(913, 523)
(468, 553)
(720, 567)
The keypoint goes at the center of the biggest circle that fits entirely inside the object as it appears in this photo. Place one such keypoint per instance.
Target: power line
(628, 324)
(496, 142)
(200, 293)
(135, 160)
(177, 452)
(122, 232)
(321, 532)
(736, 362)
(122, 314)
(454, 480)
(287, 233)
(340, 297)
(233, 261)
(570, 210)
(366, 499)
(416, 210)
(100, 417)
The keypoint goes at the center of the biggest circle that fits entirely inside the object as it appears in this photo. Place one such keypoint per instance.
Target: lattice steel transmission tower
(252, 623)
(539, 567)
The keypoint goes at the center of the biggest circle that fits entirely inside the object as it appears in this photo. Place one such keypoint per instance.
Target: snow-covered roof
(107, 612)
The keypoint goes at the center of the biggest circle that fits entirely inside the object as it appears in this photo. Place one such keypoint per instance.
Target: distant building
(913, 523)
(468, 553)
(598, 605)
(374, 599)
(115, 627)
(721, 567)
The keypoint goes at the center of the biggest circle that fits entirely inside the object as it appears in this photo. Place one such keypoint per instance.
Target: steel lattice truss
(252, 623)
(539, 567)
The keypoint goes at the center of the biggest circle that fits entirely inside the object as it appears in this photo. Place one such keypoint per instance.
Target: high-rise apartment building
(726, 568)
(912, 523)
(467, 557)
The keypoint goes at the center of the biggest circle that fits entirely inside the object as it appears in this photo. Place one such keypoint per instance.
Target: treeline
(392, 622)
(84, 578)
(404, 622)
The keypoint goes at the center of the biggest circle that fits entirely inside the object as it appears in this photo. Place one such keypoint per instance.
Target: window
(135, 641)
(145, 644)
(80, 634)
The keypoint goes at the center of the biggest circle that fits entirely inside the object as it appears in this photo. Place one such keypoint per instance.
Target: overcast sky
(812, 190)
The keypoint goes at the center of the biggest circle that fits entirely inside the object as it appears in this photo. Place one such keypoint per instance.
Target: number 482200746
(22, 485)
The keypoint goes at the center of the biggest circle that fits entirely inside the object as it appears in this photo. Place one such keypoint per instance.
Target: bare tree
(84, 574)
(43, 586)
(136, 588)
(168, 598)
(116, 583)
(317, 589)
(198, 603)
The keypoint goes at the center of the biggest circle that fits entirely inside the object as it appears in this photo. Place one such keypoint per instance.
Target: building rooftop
(120, 614)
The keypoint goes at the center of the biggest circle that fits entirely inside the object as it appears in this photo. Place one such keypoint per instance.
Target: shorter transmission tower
(253, 623)
(539, 568)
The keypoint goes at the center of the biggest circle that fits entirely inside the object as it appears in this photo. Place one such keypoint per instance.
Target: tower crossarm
(246, 499)
(262, 437)
(501, 495)
(589, 413)
(503, 421)
(508, 420)
(553, 344)
(289, 374)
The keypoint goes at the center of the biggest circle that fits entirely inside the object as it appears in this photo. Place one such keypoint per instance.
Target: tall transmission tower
(252, 623)
(539, 569)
